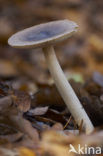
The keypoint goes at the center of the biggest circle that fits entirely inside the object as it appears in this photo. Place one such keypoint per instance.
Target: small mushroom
(46, 36)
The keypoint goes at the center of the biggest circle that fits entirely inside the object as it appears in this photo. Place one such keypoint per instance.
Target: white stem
(66, 90)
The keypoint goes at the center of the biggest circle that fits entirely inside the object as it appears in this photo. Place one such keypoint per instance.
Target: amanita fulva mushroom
(45, 36)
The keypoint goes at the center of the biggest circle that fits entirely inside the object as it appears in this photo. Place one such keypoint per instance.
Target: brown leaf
(26, 152)
(5, 104)
(21, 100)
(24, 126)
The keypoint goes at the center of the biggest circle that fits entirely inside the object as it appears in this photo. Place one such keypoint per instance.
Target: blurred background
(82, 53)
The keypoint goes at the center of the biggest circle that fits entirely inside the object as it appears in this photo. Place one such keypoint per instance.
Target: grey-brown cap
(43, 34)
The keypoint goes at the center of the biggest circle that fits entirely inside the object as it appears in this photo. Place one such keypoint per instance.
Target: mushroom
(46, 36)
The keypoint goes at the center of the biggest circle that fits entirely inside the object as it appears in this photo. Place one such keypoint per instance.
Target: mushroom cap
(43, 34)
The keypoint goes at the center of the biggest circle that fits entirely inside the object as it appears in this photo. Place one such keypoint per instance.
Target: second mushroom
(46, 36)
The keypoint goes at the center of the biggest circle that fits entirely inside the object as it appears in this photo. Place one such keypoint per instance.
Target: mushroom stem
(66, 90)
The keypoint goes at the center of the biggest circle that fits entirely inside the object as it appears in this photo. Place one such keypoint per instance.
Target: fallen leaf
(26, 152)
(21, 100)
(38, 111)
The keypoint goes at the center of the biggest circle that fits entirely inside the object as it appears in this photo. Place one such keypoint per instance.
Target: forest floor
(34, 120)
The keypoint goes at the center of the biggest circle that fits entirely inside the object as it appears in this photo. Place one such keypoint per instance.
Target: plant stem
(66, 90)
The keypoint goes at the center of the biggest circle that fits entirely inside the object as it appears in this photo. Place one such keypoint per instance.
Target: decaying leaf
(26, 152)
(39, 111)
(21, 100)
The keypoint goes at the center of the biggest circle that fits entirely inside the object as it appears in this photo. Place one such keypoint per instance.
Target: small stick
(67, 122)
